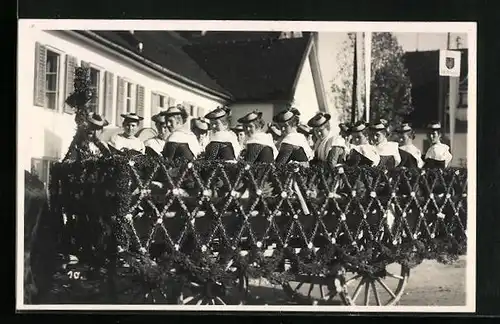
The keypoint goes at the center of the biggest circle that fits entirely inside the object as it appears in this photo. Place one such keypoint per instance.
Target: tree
(390, 91)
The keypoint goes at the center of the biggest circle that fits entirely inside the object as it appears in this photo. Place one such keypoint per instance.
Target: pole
(359, 78)
(368, 73)
(354, 81)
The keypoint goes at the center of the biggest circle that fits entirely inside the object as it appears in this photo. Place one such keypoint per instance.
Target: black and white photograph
(246, 166)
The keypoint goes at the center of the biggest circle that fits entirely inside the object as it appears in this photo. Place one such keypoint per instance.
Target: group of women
(285, 140)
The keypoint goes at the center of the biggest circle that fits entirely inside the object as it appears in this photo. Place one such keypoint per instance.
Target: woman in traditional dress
(438, 156)
(223, 143)
(181, 144)
(411, 157)
(362, 152)
(259, 146)
(329, 147)
(200, 127)
(308, 133)
(90, 145)
(239, 130)
(157, 143)
(275, 133)
(294, 146)
(387, 150)
(127, 139)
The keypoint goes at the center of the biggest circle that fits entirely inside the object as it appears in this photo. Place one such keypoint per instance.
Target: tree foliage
(390, 91)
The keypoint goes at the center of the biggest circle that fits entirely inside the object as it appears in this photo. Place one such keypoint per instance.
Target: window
(462, 99)
(52, 79)
(41, 168)
(129, 102)
(161, 102)
(95, 84)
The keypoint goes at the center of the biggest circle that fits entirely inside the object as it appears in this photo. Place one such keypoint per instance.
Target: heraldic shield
(450, 63)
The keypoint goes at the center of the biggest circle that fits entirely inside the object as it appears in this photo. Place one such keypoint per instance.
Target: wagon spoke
(358, 289)
(188, 299)
(201, 300)
(352, 279)
(386, 288)
(321, 291)
(299, 286)
(390, 274)
(375, 292)
(220, 300)
(367, 292)
(311, 287)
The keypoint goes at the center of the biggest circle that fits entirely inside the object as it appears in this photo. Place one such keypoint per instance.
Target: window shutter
(108, 99)
(40, 78)
(71, 64)
(119, 100)
(155, 103)
(139, 105)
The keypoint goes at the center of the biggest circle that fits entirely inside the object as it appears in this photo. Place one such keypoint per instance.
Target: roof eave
(150, 64)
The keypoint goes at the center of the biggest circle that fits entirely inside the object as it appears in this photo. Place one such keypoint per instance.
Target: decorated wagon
(139, 229)
(133, 228)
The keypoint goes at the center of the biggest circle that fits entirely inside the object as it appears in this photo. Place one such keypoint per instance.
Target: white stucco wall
(48, 133)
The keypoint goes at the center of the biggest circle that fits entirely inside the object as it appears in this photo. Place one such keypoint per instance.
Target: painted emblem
(450, 63)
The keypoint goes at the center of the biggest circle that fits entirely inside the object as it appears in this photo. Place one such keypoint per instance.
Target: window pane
(162, 102)
(51, 82)
(128, 106)
(129, 90)
(50, 100)
(52, 61)
(94, 77)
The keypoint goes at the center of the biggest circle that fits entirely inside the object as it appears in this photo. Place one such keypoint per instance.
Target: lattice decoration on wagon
(220, 223)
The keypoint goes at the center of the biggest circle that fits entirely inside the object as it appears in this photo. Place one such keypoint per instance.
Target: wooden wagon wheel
(312, 289)
(213, 293)
(377, 291)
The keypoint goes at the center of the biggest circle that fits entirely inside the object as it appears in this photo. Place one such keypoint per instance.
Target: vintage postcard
(246, 166)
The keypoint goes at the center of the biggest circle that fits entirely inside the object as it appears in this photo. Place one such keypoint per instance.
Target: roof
(242, 66)
(259, 70)
(165, 49)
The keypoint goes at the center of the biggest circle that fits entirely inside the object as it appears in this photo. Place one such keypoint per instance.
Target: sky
(330, 46)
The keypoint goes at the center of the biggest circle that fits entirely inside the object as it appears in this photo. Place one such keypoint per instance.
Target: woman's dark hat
(379, 125)
(132, 117)
(273, 129)
(319, 120)
(404, 128)
(434, 126)
(159, 118)
(97, 120)
(344, 127)
(238, 129)
(250, 117)
(200, 124)
(218, 113)
(304, 129)
(286, 115)
(178, 110)
(358, 127)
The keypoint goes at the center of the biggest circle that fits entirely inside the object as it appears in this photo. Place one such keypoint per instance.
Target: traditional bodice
(121, 142)
(260, 148)
(438, 156)
(223, 145)
(156, 143)
(411, 157)
(389, 154)
(294, 148)
(181, 144)
(363, 155)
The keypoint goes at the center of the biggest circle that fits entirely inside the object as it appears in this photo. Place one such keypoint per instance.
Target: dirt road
(430, 284)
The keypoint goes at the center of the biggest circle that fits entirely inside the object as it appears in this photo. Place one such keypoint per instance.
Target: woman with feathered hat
(181, 144)
(329, 147)
(127, 139)
(157, 143)
(411, 157)
(259, 146)
(90, 145)
(294, 146)
(223, 143)
(438, 156)
(362, 152)
(387, 150)
(200, 128)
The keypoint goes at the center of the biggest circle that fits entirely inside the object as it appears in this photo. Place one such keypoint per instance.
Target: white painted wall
(47, 133)
(305, 99)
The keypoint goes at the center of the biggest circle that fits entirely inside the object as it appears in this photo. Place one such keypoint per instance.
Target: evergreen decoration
(79, 100)
(130, 233)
